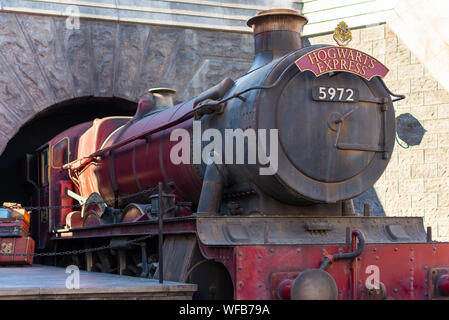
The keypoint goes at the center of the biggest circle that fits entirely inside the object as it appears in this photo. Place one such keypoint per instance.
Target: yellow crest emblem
(342, 34)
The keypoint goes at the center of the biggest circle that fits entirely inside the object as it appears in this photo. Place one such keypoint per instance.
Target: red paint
(354, 265)
(65, 201)
(74, 220)
(403, 277)
(90, 141)
(333, 58)
(143, 163)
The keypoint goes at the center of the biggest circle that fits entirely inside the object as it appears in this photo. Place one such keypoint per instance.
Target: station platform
(43, 282)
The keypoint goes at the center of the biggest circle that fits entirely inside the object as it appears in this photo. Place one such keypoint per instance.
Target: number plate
(335, 94)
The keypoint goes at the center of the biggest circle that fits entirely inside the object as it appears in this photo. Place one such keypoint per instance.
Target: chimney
(276, 33)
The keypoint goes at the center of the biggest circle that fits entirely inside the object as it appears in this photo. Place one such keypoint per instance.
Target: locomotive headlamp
(443, 284)
(314, 284)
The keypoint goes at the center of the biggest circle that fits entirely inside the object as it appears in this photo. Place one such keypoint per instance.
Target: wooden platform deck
(46, 282)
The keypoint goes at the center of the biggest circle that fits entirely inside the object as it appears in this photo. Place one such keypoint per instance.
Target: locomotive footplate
(225, 230)
(222, 231)
(171, 226)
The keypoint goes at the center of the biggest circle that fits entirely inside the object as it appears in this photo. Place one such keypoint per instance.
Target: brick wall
(416, 182)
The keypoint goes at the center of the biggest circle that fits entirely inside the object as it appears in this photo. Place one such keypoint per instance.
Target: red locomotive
(284, 229)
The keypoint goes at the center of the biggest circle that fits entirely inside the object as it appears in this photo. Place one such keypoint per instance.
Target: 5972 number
(335, 94)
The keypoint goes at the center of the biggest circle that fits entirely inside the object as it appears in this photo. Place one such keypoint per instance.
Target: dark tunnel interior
(42, 128)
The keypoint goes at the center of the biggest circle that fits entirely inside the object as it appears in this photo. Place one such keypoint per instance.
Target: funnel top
(277, 12)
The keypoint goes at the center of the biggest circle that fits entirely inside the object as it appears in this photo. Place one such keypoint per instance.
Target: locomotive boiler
(341, 145)
(316, 128)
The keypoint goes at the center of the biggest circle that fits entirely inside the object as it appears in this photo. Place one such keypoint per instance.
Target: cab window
(60, 153)
(44, 167)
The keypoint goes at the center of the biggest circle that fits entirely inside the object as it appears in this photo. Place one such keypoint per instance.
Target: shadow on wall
(409, 130)
(369, 197)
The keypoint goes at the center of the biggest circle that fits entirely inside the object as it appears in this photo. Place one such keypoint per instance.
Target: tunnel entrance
(42, 128)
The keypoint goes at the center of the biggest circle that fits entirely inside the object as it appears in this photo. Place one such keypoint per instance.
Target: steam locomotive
(279, 229)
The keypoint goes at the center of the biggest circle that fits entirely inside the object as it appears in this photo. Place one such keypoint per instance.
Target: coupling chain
(72, 252)
(78, 205)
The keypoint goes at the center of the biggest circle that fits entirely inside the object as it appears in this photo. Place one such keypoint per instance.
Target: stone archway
(43, 63)
(48, 69)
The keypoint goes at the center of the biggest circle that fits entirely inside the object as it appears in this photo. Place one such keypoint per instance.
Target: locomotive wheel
(133, 267)
(134, 212)
(104, 262)
(91, 219)
(93, 203)
(213, 280)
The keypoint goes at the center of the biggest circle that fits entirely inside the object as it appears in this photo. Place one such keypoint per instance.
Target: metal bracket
(81, 200)
(161, 203)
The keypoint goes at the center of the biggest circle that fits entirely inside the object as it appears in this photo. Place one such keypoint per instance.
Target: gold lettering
(328, 64)
(342, 52)
(333, 56)
(335, 61)
(372, 63)
(357, 67)
(366, 58)
(312, 55)
(323, 52)
(351, 54)
(358, 56)
(343, 64)
(320, 66)
(351, 65)
(364, 70)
